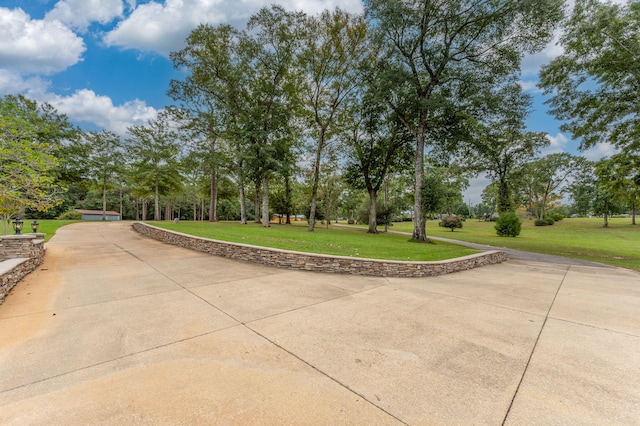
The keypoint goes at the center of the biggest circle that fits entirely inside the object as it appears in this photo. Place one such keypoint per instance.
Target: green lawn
(49, 227)
(335, 241)
(617, 245)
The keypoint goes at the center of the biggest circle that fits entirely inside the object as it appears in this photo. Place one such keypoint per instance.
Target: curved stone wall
(320, 263)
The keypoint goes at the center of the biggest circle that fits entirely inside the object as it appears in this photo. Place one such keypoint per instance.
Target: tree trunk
(137, 209)
(213, 200)
(104, 198)
(156, 207)
(606, 220)
(287, 197)
(373, 213)
(385, 201)
(265, 202)
(195, 209)
(168, 213)
(243, 206)
(5, 223)
(504, 200)
(144, 209)
(419, 222)
(328, 214)
(121, 209)
(202, 210)
(316, 182)
(256, 202)
(633, 213)
(243, 198)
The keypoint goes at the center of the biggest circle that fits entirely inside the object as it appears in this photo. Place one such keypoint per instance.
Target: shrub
(351, 221)
(508, 225)
(451, 222)
(549, 220)
(557, 217)
(70, 215)
(540, 222)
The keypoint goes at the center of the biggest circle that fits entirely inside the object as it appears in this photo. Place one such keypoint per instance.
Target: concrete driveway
(118, 329)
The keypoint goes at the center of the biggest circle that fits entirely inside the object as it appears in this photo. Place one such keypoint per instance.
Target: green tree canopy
(439, 51)
(155, 156)
(594, 83)
(30, 135)
(499, 144)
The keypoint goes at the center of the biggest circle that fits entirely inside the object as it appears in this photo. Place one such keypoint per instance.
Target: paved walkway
(118, 329)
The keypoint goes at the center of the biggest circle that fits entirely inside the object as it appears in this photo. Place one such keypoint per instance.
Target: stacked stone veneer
(19, 255)
(321, 263)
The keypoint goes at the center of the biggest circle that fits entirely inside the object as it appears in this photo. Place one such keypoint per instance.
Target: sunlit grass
(335, 240)
(47, 226)
(580, 238)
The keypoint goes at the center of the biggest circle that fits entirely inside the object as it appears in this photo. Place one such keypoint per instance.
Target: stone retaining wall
(20, 254)
(320, 263)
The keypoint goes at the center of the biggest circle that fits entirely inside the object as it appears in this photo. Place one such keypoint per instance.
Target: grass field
(335, 240)
(49, 227)
(617, 245)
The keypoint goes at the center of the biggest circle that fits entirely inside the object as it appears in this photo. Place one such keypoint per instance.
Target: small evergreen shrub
(70, 215)
(451, 222)
(351, 221)
(557, 217)
(508, 225)
(545, 221)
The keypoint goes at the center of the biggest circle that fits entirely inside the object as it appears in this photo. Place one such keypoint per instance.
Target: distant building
(97, 215)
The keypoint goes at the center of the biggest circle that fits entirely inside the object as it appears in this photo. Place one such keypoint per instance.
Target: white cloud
(163, 27)
(530, 86)
(36, 46)
(12, 82)
(79, 14)
(600, 151)
(82, 106)
(531, 64)
(557, 143)
(86, 106)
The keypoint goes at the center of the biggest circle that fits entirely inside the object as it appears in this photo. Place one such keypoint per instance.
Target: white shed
(97, 215)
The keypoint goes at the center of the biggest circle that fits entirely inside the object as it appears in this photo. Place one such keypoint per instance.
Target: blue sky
(105, 63)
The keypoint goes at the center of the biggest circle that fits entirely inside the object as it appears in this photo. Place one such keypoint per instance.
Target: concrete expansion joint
(535, 344)
(328, 376)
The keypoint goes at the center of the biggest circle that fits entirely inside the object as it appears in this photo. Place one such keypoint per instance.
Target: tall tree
(548, 177)
(30, 135)
(376, 145)
(619, 176)
(104, 160)
(214, 91)
(246, 83)
(499, 144)
(582, 188)
(333, 48)
(270, 111)
(155, 156)
(439, 49)
(594, 83)
(606, 198)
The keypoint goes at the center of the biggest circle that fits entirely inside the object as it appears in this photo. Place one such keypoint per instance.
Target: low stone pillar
(19, 255)
(22, 246)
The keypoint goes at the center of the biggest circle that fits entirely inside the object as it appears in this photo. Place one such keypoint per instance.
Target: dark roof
(109, 213)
